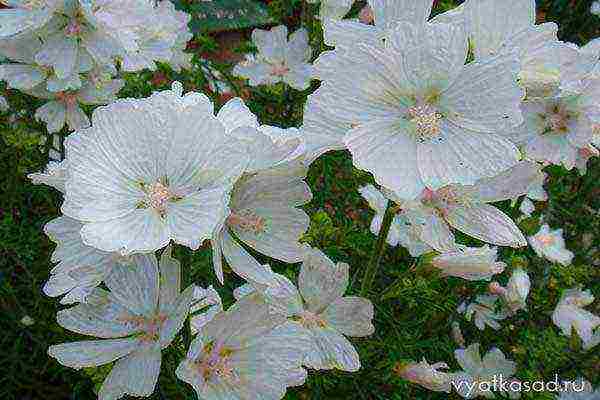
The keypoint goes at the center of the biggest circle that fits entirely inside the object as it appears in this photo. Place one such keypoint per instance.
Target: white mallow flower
(570, 315)
(410, 122)
(466, 208)
(64, 107)
(385, 14)
(150, 171)
(319, 307)
(492, 367)
(278, 60)
(470, 263)
(516, 291)
(246, 352)
(22, 72)
(549, 244)
(496, 27)
(23, 16)
(137, 318)
(426, 375)
(402, 230)
(483, 311)
(527, 207)
(556, 128)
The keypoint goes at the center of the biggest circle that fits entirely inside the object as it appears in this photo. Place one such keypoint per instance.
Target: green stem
(373, 266)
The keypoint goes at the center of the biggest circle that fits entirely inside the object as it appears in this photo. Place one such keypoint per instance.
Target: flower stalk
(373, 265)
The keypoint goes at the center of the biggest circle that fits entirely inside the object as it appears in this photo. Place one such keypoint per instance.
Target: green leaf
(224, 15)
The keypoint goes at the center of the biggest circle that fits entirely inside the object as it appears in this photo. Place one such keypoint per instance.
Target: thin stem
(377, 254)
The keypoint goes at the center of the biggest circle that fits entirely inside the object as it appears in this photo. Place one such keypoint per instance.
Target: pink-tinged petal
(351, 316)
(92, 353)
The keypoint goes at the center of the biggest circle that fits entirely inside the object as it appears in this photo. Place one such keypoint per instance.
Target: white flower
(64, 107)
(22, 73)
(137, 319)
(245, 353)
(497, 27)
(24, 16)
(27, 321)
(516, 291)
(319, 307)
(465, 208)
(550, 245)
(386, 14)
(150, 171)
(427, 375)
(579, 389)
(403, 230)
(409, 122)
(491, 368)
(470, 263)
(569, 315)
(278, 60)
(484, 312)
(595, 8)
(527, 207)
(55, 175)
(333, 9)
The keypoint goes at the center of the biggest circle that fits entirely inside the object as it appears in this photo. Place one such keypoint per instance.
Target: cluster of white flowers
(67, 52)
(449, 114)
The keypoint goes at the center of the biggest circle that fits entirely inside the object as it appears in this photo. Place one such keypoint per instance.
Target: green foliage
(224, 15)
(415, 307)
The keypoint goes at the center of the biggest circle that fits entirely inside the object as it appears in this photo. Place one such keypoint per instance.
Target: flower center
(247, 221)
(427, 120)
(279, 69)
(70, 99)
(311, 320)
(215, 363)
(546, 240)
(158, 196)
(148, 327)
(73, 28)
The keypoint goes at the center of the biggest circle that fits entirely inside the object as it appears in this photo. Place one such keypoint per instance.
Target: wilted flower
(483, 311)
(137, 319)
(477, 370)
(245, 352)
(319, 307)
(427, 375)
(150, 171)
(470, 263)
(550, 244)
(516, 291)
(278, 60)
(408, 121)
(569, 315)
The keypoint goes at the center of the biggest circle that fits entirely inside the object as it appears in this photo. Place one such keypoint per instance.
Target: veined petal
(92, 353)
(21, 77)
(60, 53)
(486, 223)
(170, 281)
(243, 264)
(508, 185)
(176, 316)
(235, 114)
(388, 13)
(332, 350)
(351, 316)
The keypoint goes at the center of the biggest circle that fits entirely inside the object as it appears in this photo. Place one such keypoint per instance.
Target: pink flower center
(70, 99)
(73, 28)
(215, 363)
(366, 15)
(311, 320)
(546, 240)
(427, 120)
(149, 327)
(158, 197)
(247, 221)
(279, 70)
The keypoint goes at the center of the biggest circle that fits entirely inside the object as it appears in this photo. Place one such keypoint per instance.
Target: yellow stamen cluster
(247, 221)
(427, 120)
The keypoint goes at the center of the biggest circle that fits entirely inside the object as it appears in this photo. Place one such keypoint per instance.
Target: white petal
(351, 316)
(508, 185)
(388, 13)
(271, 44)
(60, 53)
(170, 281)
(92, 353)
(320, 281)
(332, 350)
(54, 114)
(486, 223)
(21, 77)
(235, 114)
(176, 317)
(243, 264)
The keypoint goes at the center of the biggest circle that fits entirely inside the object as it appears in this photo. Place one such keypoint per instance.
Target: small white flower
(426, 375)
(549, 244)
(527, 207)
(516, 291)
(246, 352)
(64, 107)
(278, 60)
(333, 9)
(54, 175)
(595, 8)
(157, 169)
(483, 312)
(470, 263)
(491, 368)
(318, 306)
(409, 123)
(569, 315)
(136, 320)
